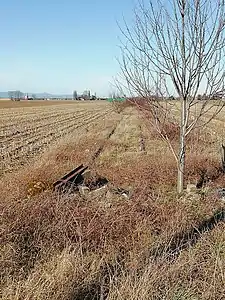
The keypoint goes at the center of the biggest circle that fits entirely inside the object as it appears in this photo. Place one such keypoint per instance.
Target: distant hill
(3, 94)
(47, 95)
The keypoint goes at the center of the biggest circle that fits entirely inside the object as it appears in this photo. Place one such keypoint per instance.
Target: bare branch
(176, 46)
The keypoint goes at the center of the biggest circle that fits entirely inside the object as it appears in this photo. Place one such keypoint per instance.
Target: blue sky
(57, 46)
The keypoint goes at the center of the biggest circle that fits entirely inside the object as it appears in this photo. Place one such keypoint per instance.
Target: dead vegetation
(65, 246)
(25, 103)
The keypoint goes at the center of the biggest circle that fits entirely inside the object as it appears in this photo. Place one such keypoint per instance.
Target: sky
(58, 46)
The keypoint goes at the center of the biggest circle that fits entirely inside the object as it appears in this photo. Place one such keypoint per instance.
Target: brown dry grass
(26, 132)
(4, 103)
(67, 247)
(26, 103)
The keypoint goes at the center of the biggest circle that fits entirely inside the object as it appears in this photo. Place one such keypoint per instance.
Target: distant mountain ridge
(40, 95)
(4, 95)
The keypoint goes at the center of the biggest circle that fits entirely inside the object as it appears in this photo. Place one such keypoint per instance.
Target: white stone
(83, 190)
(191, 188)
(87, 174)
(125, 195)
(100, 191)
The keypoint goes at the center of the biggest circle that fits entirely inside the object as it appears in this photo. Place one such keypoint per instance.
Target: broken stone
(125, 195)
(112, 195)
(99, 192)
(85, 183)
(96, 182)
(191, 188)
(83, 190)
(121, 191)
(221, 193)
(87, 174)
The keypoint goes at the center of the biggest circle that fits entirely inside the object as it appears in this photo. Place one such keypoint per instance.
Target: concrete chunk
(191, 188)
(83, 190)
(87, 174)
(221, 193)
(100, 191)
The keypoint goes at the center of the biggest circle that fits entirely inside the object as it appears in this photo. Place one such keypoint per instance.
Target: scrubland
(154, 245)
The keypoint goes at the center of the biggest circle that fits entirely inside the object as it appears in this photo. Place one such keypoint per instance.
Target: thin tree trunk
(183, 44)
(180, 175)
(182, 146)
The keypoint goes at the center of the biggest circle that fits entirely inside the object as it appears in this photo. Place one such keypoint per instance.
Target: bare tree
(75, 95)
(10, 95)
(176, 47)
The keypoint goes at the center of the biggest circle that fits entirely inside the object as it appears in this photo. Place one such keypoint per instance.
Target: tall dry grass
(68, 247)
(62, 247)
